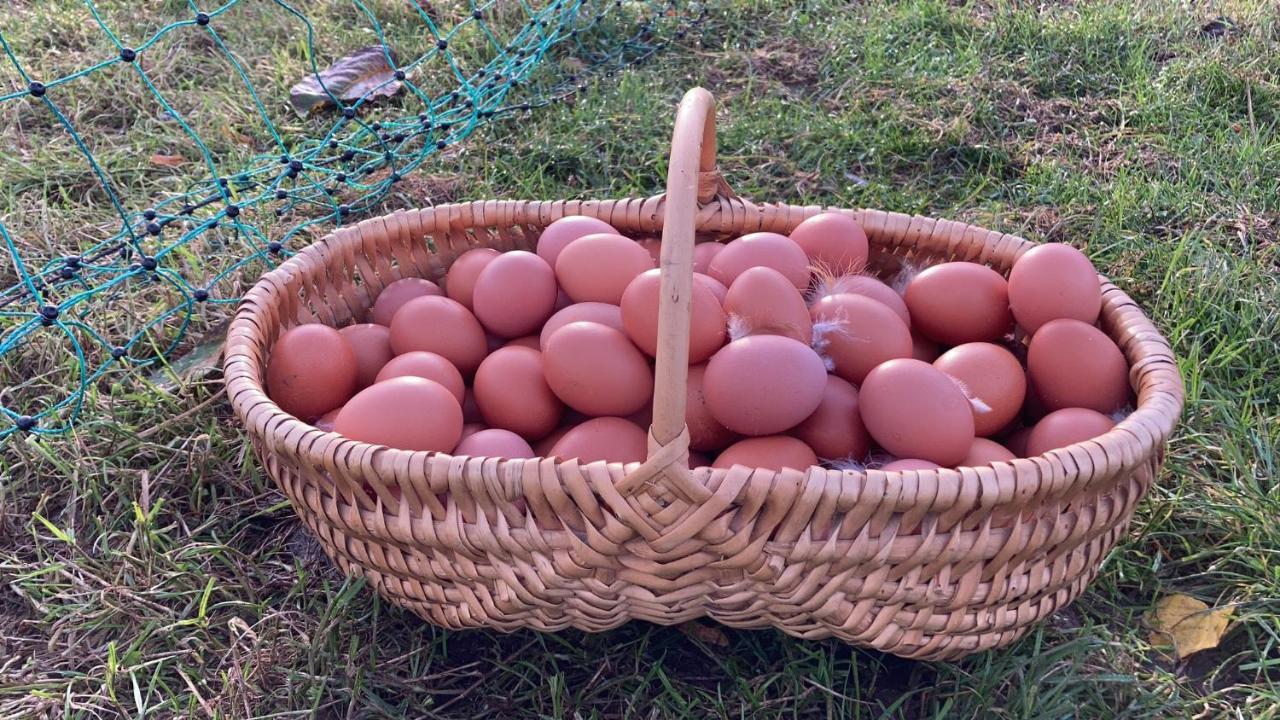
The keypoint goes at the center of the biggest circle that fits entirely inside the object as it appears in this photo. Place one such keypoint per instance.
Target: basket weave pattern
(930, 564)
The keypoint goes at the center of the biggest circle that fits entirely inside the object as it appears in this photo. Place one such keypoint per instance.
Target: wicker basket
(930, 564)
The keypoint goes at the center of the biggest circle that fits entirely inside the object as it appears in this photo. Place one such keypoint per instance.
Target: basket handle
(692, 179)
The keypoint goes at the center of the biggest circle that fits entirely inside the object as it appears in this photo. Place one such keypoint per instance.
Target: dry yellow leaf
(1188, 624)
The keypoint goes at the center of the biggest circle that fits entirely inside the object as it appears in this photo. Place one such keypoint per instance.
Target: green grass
(149, 567)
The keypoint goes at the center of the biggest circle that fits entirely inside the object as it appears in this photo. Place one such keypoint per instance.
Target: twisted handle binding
(692, 178)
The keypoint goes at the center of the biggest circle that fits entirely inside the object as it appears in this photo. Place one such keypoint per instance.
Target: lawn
(148, 567)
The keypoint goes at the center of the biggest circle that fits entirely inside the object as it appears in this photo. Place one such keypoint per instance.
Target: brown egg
(441, 326)
(960, 302)
(764, 384)
(833, 241)
(922, 348)
(429, 366)
(858, 333)
(602, 313)
(835, 429)
(705, 432)
(529, 341)
(653, 246)
(1054, 281)
(864, 285)
(560, 233)
(1016, 441)
(702, 254)
(397, 294)
(408, 413)
(371, 344)
(761, 249)
(772, 452)
(985, 452)
(991, 375)
(596, 370)
(1068, 426)
(515, 294)
(494, 443)
(513, 394)
(910, 464)
(470, 429)
(598, 268)
(325, 422)
(1076, 365)
(610, 439)
(460, 282)
(914, 410)
(764, 302)
(640, 317)
(311, 371)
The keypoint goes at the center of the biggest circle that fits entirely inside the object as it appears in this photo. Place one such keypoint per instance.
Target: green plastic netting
(128, 297)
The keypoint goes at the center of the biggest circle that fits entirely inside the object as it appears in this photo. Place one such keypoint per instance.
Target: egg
(371, 344)
(702, 254)
(530, 341)
(1054, 281)
(833, 241)
(913, 410)
(610, 439)
(1068, 426)
(408, 413)
(959, 302)
(543, 447)
(427, 365)
(311, 370)
(772, 452)
(515, 294)
(761, 249)
(602, 313)
(763, 301)
(494, 443)
(991, 375)
(598, 268)
(1076, 365)
(442, 326)
(866, 285)
(705, 432)
(460, 282)
(513, 394)
(764, 384)
(325, 421)
(985, 452)
(398, 293)
(560, 233)
(858, 333)
(909, 464)
(470, 429)
(640, 317)
(596, 370)
(835, 429)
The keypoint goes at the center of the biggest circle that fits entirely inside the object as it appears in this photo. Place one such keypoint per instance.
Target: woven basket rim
(1151, 421)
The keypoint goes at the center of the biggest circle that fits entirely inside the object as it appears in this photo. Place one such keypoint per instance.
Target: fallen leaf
(1188, 624)
(363, 73)
(708, 634)
(203, 360)
(167, 160)
(1218, 27)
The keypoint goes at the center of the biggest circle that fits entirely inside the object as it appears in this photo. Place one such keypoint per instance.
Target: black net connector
(295, 165)
(128, 55)
(282, 194)
(72, 261)
(477, 14)
(25, 423)
(348, 113)
(233, 211)
(344, 210)
(118, 352)
(36, 88)
(442, 44)
(67, 273)
(340, 177)
(333, 144)
(440, 144)
(200, 294)
(400, 75)
(348, 155)
(395, 177)
(274, 247)
(202, 18)
(154, 229)
(48, 314)
(149, 214)
(148, 263)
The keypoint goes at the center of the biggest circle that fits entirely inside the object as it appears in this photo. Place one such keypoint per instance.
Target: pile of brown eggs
(797, 356)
